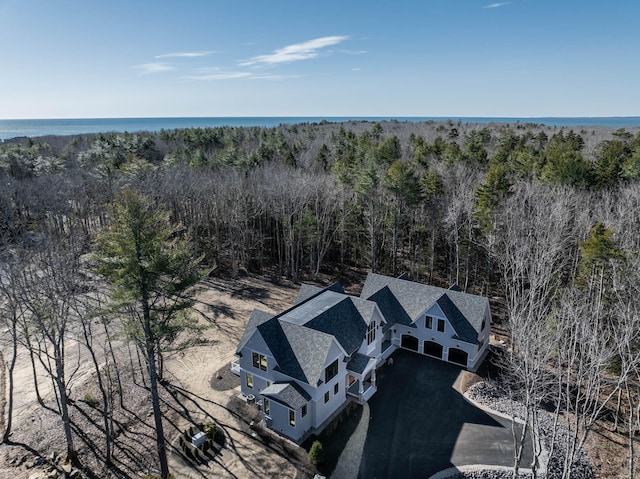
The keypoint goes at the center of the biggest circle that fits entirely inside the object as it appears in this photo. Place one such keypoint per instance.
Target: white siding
(323, 410)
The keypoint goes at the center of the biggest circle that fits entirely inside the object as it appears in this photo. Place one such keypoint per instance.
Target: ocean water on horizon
(44, 127)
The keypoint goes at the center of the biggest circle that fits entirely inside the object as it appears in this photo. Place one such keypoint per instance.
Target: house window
(331, 371)
(266, 406)
(441, 325)
(304, 410)
(371, 332)
(428, 322)
(263, 362)
(336, 388)
(292, 418)
(250, 380)
(326, 397)
(269, 383)
(259, 361)
(484, 324)
(480, 344)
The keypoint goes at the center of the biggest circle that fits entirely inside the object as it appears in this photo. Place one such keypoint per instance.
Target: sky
(220, 58)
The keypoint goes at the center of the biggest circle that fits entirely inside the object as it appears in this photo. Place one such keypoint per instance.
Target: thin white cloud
(356, 69)
(497, 5)
(296, 52)
(184, 55)
(157, 67)
(354, 52)
(236, 75)
(219, 76)
(268, 76)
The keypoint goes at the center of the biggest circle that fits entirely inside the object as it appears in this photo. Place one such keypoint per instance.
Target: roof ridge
(306, 300)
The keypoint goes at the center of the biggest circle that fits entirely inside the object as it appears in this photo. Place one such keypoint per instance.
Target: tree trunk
(115, 364)
(153, 386)
(35, 376)
(64, 406)
(395, 242)
(12, 364)
(103, 392)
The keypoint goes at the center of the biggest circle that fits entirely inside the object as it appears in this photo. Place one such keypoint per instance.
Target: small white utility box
(198, 439)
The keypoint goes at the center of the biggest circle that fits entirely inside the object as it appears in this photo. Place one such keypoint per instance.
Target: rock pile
(53, 467)
(491, 395)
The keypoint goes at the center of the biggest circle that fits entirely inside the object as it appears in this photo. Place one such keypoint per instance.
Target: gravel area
(224, 380)
(490, 394)
(480, 474)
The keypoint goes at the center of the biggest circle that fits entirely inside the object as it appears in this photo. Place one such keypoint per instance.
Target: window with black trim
(331, 371)
(259, 361)
(249, 380)
(304, 410)
(326, 397)
(428, 322)
(292, 418)
(336, 388)
(441, 325)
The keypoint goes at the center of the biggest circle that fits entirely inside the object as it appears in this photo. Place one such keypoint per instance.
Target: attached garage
(458, 356)
(432, 348)
(409, 342)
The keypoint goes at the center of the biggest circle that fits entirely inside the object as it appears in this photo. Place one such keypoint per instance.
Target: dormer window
(371, 332)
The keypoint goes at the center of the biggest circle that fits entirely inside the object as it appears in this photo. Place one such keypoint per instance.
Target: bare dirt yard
(197, 388)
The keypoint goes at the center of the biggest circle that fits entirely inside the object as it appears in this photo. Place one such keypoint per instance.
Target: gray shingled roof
(303, 312)
(390, 307)
(310, 348)
(257, 318)
(373, 283)
(342, 321)
(301, 337)
(289, 394)
(471, 306)
(365, 308)
(278, 344)
(332, 313)
(358, 363)
(464, 330)
(300, 352)
(415, 298)
(307, 291)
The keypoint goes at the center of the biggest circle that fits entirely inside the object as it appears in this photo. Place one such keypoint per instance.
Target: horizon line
(391, 117)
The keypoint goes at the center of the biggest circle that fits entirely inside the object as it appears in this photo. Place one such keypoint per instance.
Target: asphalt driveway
(419, 424)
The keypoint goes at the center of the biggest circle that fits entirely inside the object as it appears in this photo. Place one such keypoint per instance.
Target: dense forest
(543, 220)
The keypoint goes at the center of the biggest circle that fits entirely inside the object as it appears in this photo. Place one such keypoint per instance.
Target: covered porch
(361, 377)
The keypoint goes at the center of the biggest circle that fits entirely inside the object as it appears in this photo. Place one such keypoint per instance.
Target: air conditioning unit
(198, 439)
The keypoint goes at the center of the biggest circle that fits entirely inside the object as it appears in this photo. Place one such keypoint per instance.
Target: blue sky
(522, 58)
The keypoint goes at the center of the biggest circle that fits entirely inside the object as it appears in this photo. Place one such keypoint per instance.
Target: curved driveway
(419, 424)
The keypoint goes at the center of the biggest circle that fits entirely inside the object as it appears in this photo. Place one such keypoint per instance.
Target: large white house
(304, 365)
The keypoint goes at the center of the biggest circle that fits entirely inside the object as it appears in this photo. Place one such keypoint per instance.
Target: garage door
(433, 349)
(458, 356)
(409, 342)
